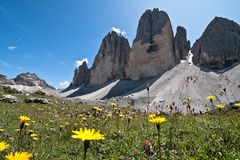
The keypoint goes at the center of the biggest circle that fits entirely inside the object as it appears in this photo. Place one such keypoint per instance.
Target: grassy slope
(193, 137)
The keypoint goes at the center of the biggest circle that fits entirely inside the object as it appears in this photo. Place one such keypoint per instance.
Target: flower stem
(159, 143)
(86, 144)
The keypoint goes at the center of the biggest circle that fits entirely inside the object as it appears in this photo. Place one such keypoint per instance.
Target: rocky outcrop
(5, 81)
(31, 79)
(182, 45)
(111, 60)
(219, 45)
(153, 48)
(36, 100)
(81, 76)
(9, 99)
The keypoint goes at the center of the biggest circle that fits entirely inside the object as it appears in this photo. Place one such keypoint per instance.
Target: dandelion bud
(147, 146)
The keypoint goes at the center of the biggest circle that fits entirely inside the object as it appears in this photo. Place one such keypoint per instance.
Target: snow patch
(189, 59)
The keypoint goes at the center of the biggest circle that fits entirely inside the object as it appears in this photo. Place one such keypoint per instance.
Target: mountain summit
(219, 45)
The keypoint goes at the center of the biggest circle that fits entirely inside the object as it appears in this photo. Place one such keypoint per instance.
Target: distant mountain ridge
(25, 79)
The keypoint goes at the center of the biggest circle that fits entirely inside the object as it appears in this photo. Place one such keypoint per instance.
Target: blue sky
(47, 37)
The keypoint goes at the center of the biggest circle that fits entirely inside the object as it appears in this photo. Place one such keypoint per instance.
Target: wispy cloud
(64, 84)
(80, 62)
(5, 64)
(11, 48)
(118, 31)
(20, 68)
(63, 63)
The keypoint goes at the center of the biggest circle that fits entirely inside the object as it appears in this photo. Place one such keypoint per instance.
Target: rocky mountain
(154, 58)
(219, 45)
(152, 52)
(31, 79)
(182, 45)
(81, 76)
(111, 60)
(5, 80)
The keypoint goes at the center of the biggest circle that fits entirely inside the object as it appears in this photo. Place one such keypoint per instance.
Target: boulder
(219, 45)
(152, 53)
(36, 100)
(9, 99)
(182, 45)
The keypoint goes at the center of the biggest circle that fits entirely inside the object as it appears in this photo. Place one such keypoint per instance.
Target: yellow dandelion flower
(26, 124)
(1, 130)
(33, 135)
(18, 156)
(121, 115)
(152, 115)
(211, 98)
(130, 117)
(30, 131)
(61, 126)
(113, 104)
(24, 119)
(109, 115)
(34, 138)
(3, 146)
(237, 104)
(11, 138)
(157, 120)
(97, 108)
(220, 106)
(87, 134)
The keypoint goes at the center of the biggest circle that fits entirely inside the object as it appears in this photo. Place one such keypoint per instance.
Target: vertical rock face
(219, 45)
(153, 48)
(111, 60)
(81, 76)
(182, 45)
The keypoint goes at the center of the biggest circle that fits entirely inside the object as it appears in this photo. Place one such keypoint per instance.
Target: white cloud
(119, 31)
(80, 62)
(64, 84)
(11, 48)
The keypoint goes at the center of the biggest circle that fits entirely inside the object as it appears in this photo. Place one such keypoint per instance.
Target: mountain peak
(31, 79)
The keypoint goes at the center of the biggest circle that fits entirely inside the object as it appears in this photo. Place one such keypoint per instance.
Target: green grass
(192, 137)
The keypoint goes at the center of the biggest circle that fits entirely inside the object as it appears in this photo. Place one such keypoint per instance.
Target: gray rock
(219, 45)
(182, 45)
(152, 53)
(9, 99)
(39, 92)
(5, 81)
(36, 100)
(151, 24)
(111, 60)
(31, 79)
(81, 76)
